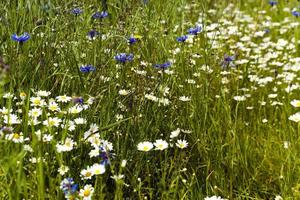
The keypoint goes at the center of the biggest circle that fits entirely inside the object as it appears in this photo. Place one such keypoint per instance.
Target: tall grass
(241, 143)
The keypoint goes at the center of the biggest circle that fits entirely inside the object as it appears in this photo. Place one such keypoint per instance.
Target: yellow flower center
(88, 174)
(86, 192)
(37, 102)
(145, 148)
(16, 136)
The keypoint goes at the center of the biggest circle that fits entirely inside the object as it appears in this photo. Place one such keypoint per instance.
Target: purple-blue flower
(163, 65)
(21, 38)
(92, 34)
(273, 3)
(76, 11)
(123, 57)
(296, 13)
(132, 40)
(68, 186)
(228, 61)
(78, 100)
(100, 15)
(194, 30)
(87, 68)
(182, 38)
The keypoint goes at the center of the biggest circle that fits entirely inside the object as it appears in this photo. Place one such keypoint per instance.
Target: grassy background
(231, 152)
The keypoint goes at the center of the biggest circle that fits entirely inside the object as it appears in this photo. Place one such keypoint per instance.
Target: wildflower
(273, 3)
(295, 117)
(123, 57)
(43, 93)
(80, 120)
(296, 13)
(117, 177)
(184, 98)
(86, 173)
(182, 38)
(35, 112)
(21, 38)
(98, 169)
(181, 144)
(11, 119)
(87, 68)
(63, 99)
(92, 34)
(78, 100)
(160, 144)
(76, 11)
(132, 40)
(295, 103)
(175, 133)
(37, 101)
(52, 122)
(15, 137)
(87, 192)
(145, 146)
(100, 15)
(213, 198)
(123, 92)
(227, 60)
(123, 164)
(163, 65)
(239, 98)
(53, 106)
(63, 170)
(67, 146)
(23, 95)
(68, 187)
(194, 30)
(278, 197)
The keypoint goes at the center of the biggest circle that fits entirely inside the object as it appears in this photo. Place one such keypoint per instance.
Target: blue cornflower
(87, 68)
(92, 34)
(132, 40)
(100, 15)
(76, 11)
(182, 38)
(227, 61)
(78, 100)
(194, 30)
(123, 57)
(296, 13)
(68, 186)
(21, 38)
(273, 3)
(163, 65)
(228, 58)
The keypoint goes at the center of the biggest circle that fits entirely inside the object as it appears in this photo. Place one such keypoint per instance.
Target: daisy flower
(145, 146)
(87, 192)
(181, 144)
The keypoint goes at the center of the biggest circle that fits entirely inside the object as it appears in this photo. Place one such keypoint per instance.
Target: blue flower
(68, 187)
(273, 3)
(163, 65)
(76, 11)
(123, 57)
(21, 38)
(182, 38)
(92, 34)
(78, 100)
(87, 68)
(296, 13)
(132, 40)
(100, 15)
(227, 61)
(194, 30)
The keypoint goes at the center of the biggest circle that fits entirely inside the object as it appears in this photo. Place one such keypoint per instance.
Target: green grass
(235, 148)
